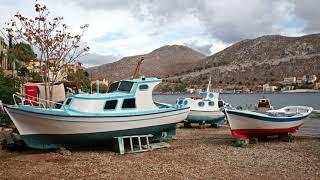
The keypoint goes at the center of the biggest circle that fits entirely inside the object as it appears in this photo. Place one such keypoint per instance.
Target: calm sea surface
(311, 126)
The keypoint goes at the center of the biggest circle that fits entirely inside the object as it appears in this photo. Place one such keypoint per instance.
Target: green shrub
(8, 87)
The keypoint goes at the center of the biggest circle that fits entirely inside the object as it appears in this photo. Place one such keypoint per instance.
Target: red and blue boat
(249, 124)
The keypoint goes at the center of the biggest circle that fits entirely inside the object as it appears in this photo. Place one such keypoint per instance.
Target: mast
(137, 72)
(209, 84)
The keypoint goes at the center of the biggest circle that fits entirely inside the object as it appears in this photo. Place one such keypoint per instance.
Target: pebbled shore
(194, 154)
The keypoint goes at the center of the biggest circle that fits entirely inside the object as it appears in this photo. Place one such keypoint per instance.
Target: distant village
(306, 83)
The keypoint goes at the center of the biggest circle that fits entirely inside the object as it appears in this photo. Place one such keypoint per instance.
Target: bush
(7, 88)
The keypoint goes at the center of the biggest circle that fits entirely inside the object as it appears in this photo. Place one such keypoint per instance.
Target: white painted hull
(246, 125)
(29, 123)
(206, 113)
(240, 122)
(210, 117)
(315, 114)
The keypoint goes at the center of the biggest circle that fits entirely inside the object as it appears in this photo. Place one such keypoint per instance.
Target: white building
(309, 78)
(191, 90)
(268, 88)
(290, 80)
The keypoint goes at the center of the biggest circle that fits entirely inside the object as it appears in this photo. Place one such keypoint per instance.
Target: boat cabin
(205, 101)
(263, 103)
(122, 96)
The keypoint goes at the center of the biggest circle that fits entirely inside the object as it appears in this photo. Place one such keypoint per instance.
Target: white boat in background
(204, 109)
(290, 111)
(248, 124)
(263, 105)
(315, 113)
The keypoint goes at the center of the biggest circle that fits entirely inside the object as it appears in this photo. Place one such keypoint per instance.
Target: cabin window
(185, 102)
(201, 103)
(68, 101)
(143, 87)
(125, 86)
(211, 103)
(113, 87)
(203, 94)
(129, 103)
(111, 105)
(121, 86)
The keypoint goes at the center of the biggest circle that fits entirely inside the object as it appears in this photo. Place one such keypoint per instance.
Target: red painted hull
(255, 133)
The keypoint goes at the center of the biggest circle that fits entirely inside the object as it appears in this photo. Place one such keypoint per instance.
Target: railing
(1, 107)
(33, 102)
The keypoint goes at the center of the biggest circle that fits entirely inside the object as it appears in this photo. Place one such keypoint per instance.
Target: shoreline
(287, 92)
(194, 154)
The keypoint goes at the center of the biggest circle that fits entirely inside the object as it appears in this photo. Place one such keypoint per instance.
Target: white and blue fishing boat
(249, 124)
(93, 119)
(204, 109)
(315, 113)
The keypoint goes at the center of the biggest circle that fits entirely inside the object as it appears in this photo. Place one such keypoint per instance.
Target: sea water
(311, 127)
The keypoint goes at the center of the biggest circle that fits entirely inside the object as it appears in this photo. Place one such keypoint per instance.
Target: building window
(129, 103)
(111, 105)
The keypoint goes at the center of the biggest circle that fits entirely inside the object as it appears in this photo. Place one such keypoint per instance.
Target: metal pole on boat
(1, 107)
(91, 83)
(97, 85)
(23, 93)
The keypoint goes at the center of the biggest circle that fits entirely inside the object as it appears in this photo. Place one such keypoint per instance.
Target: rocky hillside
(163, 62)
(265, 59)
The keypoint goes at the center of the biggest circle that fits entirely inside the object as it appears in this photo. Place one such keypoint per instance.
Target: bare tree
(50, 38)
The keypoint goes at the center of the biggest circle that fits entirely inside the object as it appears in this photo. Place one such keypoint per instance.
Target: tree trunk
(46, 89)
(51, 93)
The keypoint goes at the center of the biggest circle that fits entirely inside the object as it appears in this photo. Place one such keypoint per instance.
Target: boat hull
(54, 141)
(315, 114)
(45, 131)
(209, 117)
(245, 125)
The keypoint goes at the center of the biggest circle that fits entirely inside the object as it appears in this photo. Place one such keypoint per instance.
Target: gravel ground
(194, 154)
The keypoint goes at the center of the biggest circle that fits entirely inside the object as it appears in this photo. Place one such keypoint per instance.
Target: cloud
(196, 45)
(227, 21)
(124, 27)
(90, 60)
(308, 11)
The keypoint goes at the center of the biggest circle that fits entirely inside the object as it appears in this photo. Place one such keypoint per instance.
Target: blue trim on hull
(207, 119)
(91, 119)
(63, 113)
(54, 141)
(264, 117)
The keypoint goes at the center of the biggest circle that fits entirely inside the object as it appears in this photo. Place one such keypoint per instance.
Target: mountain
(266, 59)
(163, 62)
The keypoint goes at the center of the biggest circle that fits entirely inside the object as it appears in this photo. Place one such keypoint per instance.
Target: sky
(119, 28)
